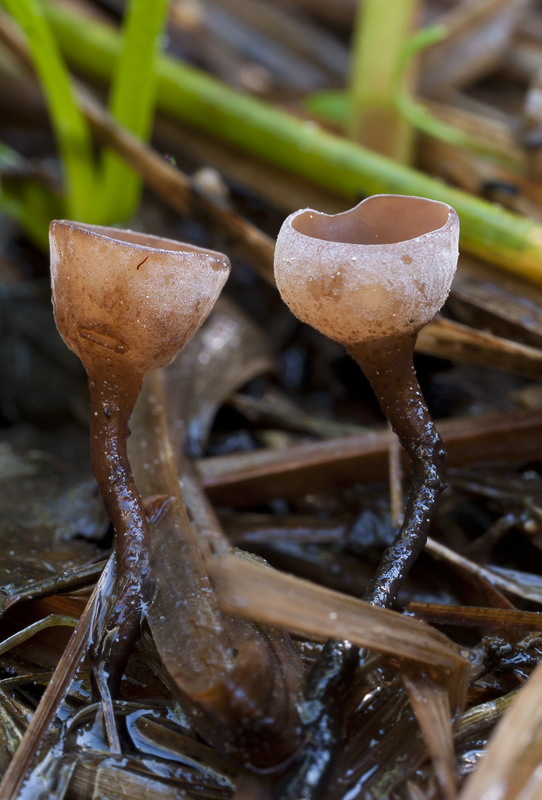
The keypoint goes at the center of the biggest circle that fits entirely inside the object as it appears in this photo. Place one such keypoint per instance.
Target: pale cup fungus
(125, 303)
(371, 278)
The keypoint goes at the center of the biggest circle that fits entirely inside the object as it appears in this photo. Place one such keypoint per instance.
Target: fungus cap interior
(382, 219)
(139, 239)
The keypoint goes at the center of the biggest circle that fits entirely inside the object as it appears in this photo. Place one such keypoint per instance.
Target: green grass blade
(26, 201)
(132, 102)
(70, 126)
(497, 235)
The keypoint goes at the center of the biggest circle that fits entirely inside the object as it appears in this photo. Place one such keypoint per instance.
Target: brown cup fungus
(371, 278)
(125, 303)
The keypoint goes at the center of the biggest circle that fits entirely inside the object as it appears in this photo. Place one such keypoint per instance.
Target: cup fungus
(371, 278)
(125, 303)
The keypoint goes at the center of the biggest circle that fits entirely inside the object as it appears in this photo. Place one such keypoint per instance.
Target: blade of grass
(71, 129)
(498, 236)
(132, 102)
(374, 120)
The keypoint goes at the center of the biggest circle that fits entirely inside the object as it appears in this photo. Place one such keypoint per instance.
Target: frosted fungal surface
(128, 297)
(383, 268)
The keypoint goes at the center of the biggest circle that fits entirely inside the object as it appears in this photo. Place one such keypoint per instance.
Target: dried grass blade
(48, 622)
(481, 717)
(250, 478)
(494, 300)
(167, 740)
(105, 780)
(511, 766)
(257, 592)
(504, 583)
(30, 590)
(448, 339)
(429, 699)
(472, 616)
(56, 690)
(396, 482)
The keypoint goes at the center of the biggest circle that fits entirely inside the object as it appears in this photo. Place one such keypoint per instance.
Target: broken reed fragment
(371, 278)
(125, 303)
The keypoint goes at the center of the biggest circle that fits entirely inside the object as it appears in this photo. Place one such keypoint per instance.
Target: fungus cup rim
(371, 200)
(104, 232)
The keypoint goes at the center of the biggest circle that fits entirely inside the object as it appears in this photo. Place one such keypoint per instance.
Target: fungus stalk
(388, 365)
(371, 278)
(112, 401)
(125, 303)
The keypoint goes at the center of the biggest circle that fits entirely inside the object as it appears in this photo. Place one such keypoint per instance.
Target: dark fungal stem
(388, 365)
(111, 407)
(307, 777)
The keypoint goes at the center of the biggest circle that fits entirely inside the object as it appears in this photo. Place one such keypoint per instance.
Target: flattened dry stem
(388, 365)
(111, 407)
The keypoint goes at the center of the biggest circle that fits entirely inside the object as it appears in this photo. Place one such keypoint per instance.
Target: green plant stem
(70, 126)
(382, 27)
(497, 235)
(418, 114)
(132, 103)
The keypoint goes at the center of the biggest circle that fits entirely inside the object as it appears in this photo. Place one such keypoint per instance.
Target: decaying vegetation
(269, 480)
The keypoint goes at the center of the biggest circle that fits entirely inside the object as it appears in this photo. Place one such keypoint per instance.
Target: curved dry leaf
(241, 685)
(227, 352)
